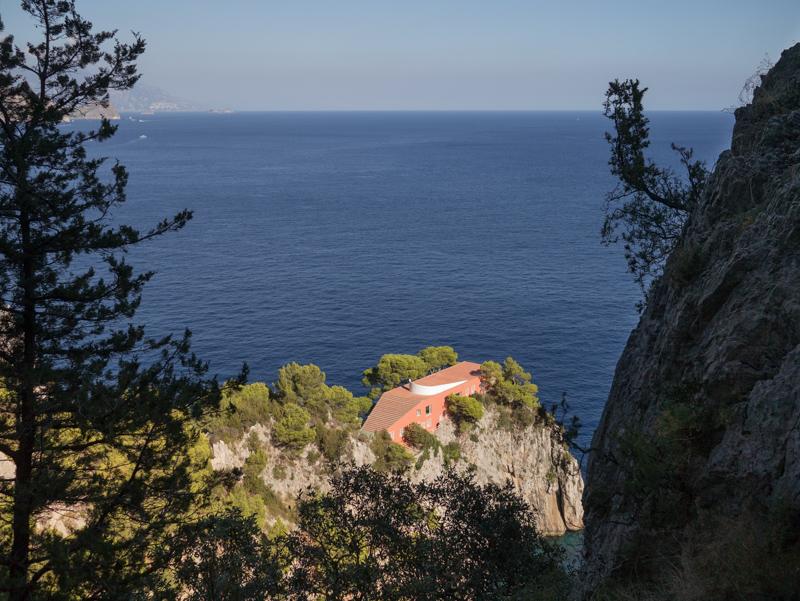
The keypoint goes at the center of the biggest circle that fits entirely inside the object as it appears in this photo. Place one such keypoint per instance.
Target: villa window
(427, 409)
(419, 412)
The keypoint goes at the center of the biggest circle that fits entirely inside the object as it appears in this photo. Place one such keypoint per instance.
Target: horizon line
(224, 111)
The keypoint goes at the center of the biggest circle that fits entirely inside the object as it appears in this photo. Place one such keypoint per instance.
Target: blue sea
(333, 238)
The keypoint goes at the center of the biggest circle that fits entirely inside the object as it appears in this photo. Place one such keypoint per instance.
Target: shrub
(243, 571)
(297, 381)
(419, 438)
(394, 369)
(437, 357)
(332, 443)
(239, 410)
(523, 416)
(391, 371)
(253, 467)
(292, 430)
(345, 408)
(451, 452)
(304, 385)
(464, 410)
(279, 472)
(389, 456)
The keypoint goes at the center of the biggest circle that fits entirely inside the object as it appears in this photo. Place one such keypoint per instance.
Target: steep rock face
(534, 459)
(721, 337)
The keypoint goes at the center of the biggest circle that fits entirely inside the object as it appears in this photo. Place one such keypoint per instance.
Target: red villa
(422, 401)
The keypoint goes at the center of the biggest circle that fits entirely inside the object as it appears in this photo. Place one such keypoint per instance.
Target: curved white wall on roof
(431, 390)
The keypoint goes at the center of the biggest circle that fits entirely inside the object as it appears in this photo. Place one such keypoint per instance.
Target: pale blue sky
(446, 54)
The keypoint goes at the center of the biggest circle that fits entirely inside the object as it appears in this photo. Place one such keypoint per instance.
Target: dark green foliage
(253, 467)
(389, 456)
(465, 411)
(223, 557)
(241, 408)
(95, 414)
(657, 462)
(418, 437)
(297, 381)
(509, 384)
(657, 465)
(332, 443)
(438, 357)
(304, 385)
(292, 430)
(377, 536)
(451, 452)
(391, 371)
(649, 207)
(394, 369)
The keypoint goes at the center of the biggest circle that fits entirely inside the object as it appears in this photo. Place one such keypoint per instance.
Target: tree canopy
(509, 384)
(464, 410)
(96, 416)
(649, 207)
(378, 536)
(292, 429)
(394, 369)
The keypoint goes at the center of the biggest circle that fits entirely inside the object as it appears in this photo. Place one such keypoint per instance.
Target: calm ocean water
(335, 237)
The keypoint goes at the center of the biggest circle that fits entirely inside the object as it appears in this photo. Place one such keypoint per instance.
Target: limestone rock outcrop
(534, 459)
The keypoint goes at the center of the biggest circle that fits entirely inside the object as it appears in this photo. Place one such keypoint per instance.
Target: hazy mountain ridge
(144, 98)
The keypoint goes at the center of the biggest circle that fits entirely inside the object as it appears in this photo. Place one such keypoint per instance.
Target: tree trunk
(25, 430)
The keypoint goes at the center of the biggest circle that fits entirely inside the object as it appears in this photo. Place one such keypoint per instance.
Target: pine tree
(650, 205)
(94, 415)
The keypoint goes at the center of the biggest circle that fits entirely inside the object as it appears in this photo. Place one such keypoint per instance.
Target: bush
(464, 410)
(451, 452)
(292, 430)
(239, 410)
(391, 371)
(299, 382)
(389, 456)
(304, 385)
(332, 443)
(419, 438)
(253, 467)
(438, 357)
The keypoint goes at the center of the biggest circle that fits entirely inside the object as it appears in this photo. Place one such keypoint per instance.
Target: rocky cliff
(694, 473)
(534, 459)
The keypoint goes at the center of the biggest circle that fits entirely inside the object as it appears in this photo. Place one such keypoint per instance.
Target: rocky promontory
(535, 459)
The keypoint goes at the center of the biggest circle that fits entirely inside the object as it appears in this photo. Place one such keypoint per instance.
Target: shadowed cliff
(693, 488)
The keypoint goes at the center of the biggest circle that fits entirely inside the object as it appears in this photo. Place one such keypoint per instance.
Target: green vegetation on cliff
(393, 369)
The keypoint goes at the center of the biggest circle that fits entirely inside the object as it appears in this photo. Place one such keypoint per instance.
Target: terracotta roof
(396, 402)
